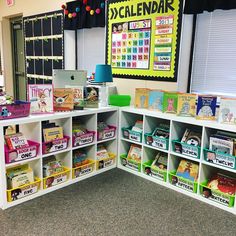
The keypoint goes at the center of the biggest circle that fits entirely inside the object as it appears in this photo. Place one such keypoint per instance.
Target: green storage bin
(216, 196)
(220, 159)
(186, 149)
(190, 186)
(154, 172)
(131, 164)
(119, 100)
(132, 135)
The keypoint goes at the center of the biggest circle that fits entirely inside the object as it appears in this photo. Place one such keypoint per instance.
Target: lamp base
(103, 96)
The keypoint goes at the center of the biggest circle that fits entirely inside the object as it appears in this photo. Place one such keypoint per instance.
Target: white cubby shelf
(178, 124)
(31, 127)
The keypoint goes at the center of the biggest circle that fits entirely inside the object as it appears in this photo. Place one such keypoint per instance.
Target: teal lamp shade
(103, 73)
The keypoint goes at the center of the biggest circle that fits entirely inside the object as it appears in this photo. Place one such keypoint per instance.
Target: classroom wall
(124, 86)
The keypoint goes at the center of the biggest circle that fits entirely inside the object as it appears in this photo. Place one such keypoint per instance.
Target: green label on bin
(185, 185)
(217, 197)
(221, 159)
(191, 151)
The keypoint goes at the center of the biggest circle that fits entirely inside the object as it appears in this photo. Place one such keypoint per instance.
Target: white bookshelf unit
(128, 117)
(31, 127)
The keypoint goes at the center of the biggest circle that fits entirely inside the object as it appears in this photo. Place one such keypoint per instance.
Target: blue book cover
(155, 100)
(206, 107)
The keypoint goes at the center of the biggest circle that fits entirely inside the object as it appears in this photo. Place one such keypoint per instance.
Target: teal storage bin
(119, 100)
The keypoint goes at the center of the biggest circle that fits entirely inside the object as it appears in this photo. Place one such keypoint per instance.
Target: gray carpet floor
(116, 203)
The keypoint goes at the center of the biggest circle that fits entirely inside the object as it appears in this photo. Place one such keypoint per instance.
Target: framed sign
(143, 38)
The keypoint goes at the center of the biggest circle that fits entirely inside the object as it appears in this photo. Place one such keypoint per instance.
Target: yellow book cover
(51, 134)
(186, 104)
(141, 97)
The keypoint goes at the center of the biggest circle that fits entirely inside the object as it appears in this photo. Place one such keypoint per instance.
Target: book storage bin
(155, 141)
(154, 172)
(106, 162)
(21, 153)
(107, 133)
(83, 139)
(186, 149)
(55, 145)
(56, 179)
(220, 159)
(216, 196)
(83, 169)
(183, 183)
(16, 110)
(23, 191)
(131, 164)
(132, 135)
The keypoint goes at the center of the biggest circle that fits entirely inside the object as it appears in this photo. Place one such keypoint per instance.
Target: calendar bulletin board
(143, 38)
(44, 46)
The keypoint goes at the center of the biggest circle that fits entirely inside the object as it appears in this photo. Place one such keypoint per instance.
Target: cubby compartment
(132, 161)
(218, 185)
(156, 132)
(83, 161)
(60, 173)
(186, 139)
(55, 141)
(218, 150)
(183, 174)
(155, 163)
(106, 125)
(132, 126)
(106, 154)
(30, 131)
(83, 130)
(26, 183)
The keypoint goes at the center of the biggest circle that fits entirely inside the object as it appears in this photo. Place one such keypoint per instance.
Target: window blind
(214, 60)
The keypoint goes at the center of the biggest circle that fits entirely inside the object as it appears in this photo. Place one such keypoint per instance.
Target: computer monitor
(64, 78)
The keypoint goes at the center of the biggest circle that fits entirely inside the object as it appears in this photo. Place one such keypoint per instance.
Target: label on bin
(221, 160)
(135, 137)
(58, 145)
(82, 140)
(83, 171)
(185, 185)
(159, 143)
(191, 151)
(24, 153)
(217, 197)
(23, 192)
(108, 134)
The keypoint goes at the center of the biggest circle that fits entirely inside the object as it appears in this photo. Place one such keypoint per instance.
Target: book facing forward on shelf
(155, 100)
(63, 99)
(227, 113)
(206, 107)
(186, 104)
(170, 102)
(141, 97)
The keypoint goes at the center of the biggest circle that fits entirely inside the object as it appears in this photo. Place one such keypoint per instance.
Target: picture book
(138, 127)
(222, 183)
(192, 137)
(16, 141)
(51, 134)
(78, 92)
(155, 100)
(40, 97)
(188, 170)
(206, 107)
(221, 144)
(227, 113)
(186, 104)
(102, 153)
(170, 102)
(91, 97)
(63, 99)
(134, 153)
(160, 161)
(141, 97)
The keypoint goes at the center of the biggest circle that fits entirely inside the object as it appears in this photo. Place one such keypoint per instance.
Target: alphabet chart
(131, 44)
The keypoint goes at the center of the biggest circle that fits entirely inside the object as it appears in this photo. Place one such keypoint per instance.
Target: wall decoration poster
(143, 38)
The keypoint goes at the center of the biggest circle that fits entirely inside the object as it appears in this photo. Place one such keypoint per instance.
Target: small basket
(23, 191)
(216, 196)
(220, 159)
(84, 139)
(186, 149)
(156, 173)
(188, 185)
(106, 162)
(132, 135)
(155, 141)
(56, 179)
(55, 145)
(16, 110)
(107, 133)
(83, 169)
(21, 154)
(131, 164)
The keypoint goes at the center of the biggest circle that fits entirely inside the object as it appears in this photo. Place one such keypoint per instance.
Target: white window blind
(214, 61)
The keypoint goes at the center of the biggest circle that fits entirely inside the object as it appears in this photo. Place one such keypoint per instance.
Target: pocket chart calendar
(143, 38)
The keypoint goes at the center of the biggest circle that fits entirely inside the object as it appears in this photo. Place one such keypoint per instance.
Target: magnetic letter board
(143, 38)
